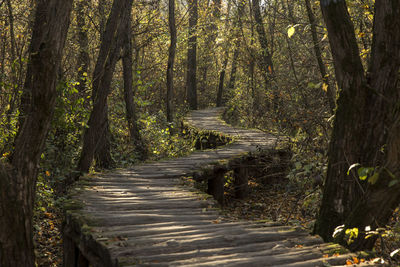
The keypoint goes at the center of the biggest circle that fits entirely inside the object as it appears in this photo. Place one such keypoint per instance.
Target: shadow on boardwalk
(144, 216)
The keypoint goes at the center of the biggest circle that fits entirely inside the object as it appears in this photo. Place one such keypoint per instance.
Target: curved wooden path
(144, 216)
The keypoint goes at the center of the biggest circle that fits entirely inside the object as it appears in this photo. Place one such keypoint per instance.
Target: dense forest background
(269, 63)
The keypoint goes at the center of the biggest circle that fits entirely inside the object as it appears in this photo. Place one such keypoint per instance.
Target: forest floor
(48, 238)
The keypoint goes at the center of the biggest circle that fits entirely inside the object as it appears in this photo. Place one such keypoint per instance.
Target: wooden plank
(243, 249)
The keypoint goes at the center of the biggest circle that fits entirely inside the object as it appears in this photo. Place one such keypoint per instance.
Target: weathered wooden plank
(146, 205)
(242, 249)
(131, 219)
(151, 247)
(271, 256)
(179, 234)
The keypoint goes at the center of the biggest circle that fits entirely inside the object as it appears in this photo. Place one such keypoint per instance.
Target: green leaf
(291, 31)
(363, 172)
(374, 178)
(352, 167)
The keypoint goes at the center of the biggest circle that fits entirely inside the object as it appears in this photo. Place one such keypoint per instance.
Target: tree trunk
(367, 125)
(128, 91)
(220, 90)
(221, 80)
(102, 152)
(237, 44)
(330, 92)
(191, 80)
(267, 67)
(232, 76)
(83, 55)
(171, 60)
(211, 32)
(102, 76)
(18, 179)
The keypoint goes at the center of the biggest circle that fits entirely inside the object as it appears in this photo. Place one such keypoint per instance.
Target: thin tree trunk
(232, 76)
(2, 71)
(210, 44)
(367, 125)
(12, 32)
(267, 66)
(330, 92)
(220, 90)
(221, 80)
(252, 84)
(237, 44)
(191, 80)
(102, 76)
(18, 179)
(131, 116)
(102, 14)
(171, 60)
(83, 55)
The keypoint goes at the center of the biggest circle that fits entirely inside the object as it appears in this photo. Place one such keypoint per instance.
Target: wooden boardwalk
(144, 216)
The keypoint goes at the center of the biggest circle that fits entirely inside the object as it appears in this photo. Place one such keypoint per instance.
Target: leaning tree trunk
(191, 80)
(18, 179)
(131, 116)
(102, 152)
(367, 125)
(171, 60)
(102, 76)
(330, 92)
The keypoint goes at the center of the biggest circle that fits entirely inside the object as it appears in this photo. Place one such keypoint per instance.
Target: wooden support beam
(70, 252)
(240, 175)
(216, 186)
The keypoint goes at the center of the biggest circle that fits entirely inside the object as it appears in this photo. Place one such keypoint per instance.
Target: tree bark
(211, 32)
(102, 76)
(237, 45)
(221, 80)
(330, 92)
(128, 91)
(18, 178)
(83, 55)
(220, 90)
(232, 76)
(191, 80)
(267, 67)
(102, 153)
(366, 127)
(171, 60)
